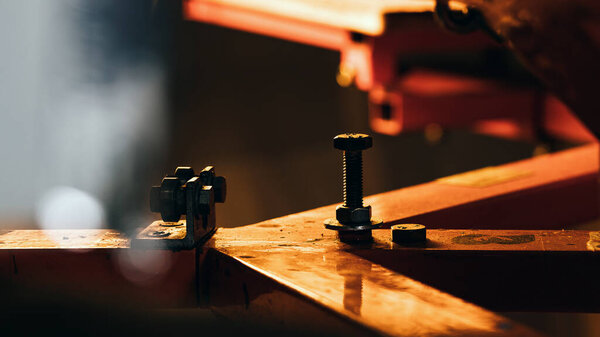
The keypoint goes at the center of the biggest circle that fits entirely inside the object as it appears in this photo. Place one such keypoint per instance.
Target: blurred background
(99, 100)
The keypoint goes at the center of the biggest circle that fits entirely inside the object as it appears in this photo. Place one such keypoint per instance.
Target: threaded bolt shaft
(352, 219)
(353, 179)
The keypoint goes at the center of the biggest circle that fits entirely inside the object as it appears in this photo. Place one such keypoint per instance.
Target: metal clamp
(183, 193)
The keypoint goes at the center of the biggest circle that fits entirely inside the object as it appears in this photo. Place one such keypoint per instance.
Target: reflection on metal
(353, 283)
(594, 242)
(345, 75)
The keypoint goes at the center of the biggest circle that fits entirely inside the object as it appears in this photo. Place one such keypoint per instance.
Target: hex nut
(352, 142)
(347, 215)
(184, 173)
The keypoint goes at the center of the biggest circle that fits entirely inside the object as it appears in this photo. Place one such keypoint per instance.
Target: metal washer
(356, 233)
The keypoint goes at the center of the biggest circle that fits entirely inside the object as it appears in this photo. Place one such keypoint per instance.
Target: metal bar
(502, 270)
(359, 16)
(265, 23)
(96, 264)
(550, 191)
(266, 270)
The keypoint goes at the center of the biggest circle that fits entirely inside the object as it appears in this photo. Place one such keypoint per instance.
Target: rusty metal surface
(297, 256)
(290, 270)
(96, 264)
(67, 239)
(559, 189)
(174, 230)
(594, 243)
(503, 270)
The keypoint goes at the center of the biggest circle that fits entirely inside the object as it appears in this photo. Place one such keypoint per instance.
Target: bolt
(353, 144)
(353, 219)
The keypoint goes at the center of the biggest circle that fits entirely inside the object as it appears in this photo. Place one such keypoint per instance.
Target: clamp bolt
(170, 197)
(353, 219)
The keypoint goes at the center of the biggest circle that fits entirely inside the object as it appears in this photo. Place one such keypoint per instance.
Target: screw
(353, 219)
(353, 144)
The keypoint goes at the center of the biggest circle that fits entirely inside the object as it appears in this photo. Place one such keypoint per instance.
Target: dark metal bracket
(188, 194)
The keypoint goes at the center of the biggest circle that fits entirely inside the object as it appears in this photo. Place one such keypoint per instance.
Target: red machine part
(370, 44)
(421, 98)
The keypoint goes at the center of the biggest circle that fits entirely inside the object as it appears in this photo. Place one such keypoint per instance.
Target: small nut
(347, 215)
(409, 233)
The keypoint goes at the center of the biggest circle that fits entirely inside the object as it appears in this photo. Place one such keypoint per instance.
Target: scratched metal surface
(502, 269)
(97, 264)
(559, 190)
(68, 238)
(299, 254)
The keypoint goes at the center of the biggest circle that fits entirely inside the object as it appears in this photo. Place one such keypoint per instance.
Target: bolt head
(352, 142)
(347, 215)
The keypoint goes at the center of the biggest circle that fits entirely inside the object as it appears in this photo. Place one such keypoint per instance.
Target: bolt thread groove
(353, 180)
